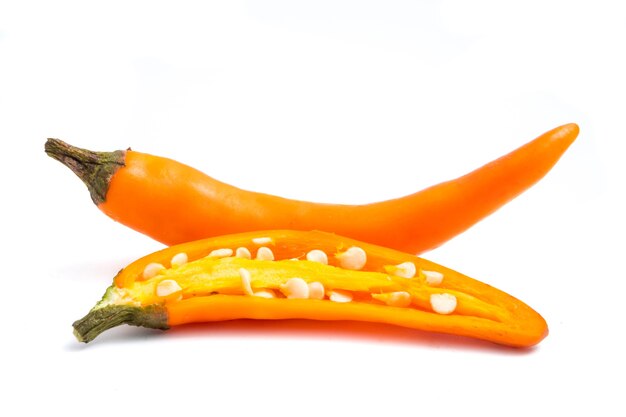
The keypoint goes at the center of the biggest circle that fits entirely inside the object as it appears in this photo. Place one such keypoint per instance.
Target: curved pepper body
(174, 203)
(211, 285)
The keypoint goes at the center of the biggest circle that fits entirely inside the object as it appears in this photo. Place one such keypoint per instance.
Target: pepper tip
(570, 131)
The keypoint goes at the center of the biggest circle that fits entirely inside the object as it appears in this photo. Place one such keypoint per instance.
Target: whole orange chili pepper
(174, 203)
(307, 275)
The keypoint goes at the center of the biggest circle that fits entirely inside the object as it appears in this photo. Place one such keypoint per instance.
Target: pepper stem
(104, 318)
(95, 169)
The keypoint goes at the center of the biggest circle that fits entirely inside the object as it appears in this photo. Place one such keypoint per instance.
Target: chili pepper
(174, 203)
(314, 275)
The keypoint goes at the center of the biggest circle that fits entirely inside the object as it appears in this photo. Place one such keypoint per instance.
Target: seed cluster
(353, 258)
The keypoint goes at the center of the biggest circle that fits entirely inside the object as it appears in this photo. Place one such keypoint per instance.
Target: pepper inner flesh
(209, 276)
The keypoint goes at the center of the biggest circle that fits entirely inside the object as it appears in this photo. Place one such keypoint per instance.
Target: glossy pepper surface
(174, 203)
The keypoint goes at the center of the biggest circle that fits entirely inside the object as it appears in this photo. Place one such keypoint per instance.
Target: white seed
(433, 277)
(245, 281)
(340, 296)
(220, 253)
(405, 270)
(152, 270)
(267, 293)
(264, 254)
(317, 255)
(316, 290)
(262, 240)
(354, 258)
(295, 288)
(443, 303)
(179, 259)
(247, 287)
(394, 299)
(243, 253)
(167, 287)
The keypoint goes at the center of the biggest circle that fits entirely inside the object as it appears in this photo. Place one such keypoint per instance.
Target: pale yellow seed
(354, 258)
(243, 253)
(167, 287)
(262, 240)
(433, 277)
(245, 281)
(295, 288)
(247, 287)
(316, 291)
(443, 303)
(318, 256)
(220, 253)
(267, 293)
(264, 254)
(152, 270)
(179, 259)
(394, 299)
(340, 296)
(405, 270)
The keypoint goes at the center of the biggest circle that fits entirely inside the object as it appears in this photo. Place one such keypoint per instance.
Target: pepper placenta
(286, 274)
(174, 203)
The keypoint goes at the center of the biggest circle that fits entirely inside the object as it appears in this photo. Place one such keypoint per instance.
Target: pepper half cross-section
(287, 274)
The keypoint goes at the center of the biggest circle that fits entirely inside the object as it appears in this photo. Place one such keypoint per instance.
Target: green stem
(94, 168)
(100, 319)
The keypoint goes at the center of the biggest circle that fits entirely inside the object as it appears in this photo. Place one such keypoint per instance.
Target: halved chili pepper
(287, 274)
(174, 203)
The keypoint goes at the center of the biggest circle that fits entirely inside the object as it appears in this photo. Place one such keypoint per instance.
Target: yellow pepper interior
(214, 275)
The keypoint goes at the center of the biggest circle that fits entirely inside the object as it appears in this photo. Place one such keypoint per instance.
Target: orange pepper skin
(174, 203)
(504, 319)
(224, 307)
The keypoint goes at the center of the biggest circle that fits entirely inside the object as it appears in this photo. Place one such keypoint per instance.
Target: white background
(335, 101)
